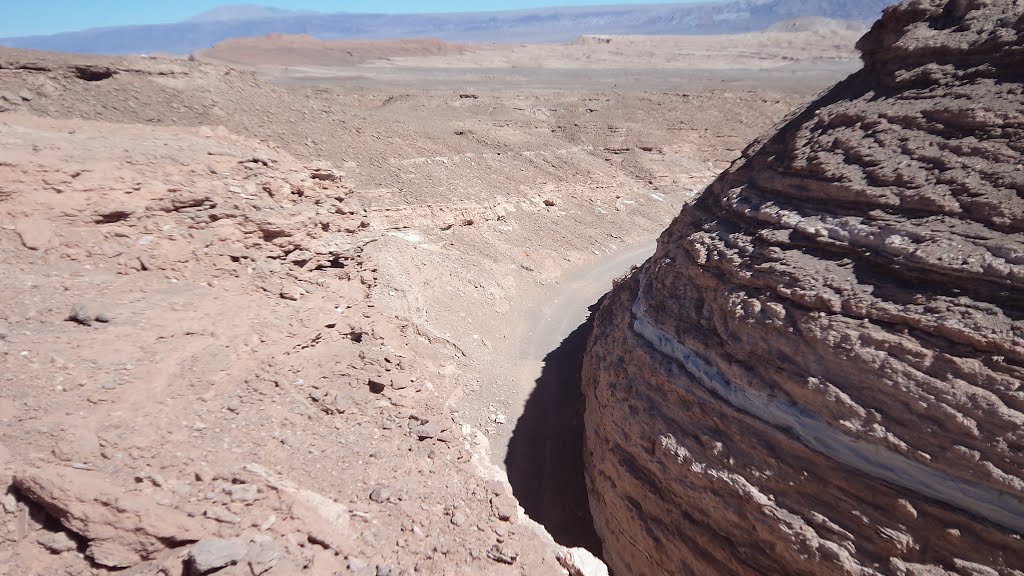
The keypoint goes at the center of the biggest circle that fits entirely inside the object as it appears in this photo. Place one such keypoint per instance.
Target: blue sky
(30, 17)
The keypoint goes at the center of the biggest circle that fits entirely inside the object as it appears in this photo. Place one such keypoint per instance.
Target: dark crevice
(545, 453)
(337, 263)
(44, 521)
(91, 73)
(113, 216)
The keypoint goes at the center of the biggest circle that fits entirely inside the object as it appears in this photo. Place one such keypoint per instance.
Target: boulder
(820, 370)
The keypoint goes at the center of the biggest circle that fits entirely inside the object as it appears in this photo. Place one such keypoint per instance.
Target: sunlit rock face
(821, 370)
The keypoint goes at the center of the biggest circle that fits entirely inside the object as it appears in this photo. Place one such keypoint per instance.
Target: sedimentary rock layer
(820, 371)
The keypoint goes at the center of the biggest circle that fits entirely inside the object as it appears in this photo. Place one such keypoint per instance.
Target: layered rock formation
(821, 370)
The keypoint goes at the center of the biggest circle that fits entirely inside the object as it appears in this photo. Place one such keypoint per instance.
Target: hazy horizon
(57, 16)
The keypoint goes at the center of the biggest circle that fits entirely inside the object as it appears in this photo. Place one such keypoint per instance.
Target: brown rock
(36, 234)
(832, 333)
(502, 554)
(122, 528)
(57, 542)
(580, 562)
(263, 555)
(212, 554)
(428, 430)
(81, 314)
(400, 381)
(291, 292)
(503, 507)
(380, 494)
(112, 554)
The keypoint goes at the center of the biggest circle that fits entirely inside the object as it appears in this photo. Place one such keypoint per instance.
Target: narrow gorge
(820, 370)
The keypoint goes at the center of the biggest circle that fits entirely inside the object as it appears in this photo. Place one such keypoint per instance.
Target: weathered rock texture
(820, 370)
(121, 528)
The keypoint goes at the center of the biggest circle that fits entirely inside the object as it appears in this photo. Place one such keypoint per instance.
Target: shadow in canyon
(545, 454)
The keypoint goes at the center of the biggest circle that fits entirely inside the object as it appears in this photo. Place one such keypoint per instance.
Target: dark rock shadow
(545, 455)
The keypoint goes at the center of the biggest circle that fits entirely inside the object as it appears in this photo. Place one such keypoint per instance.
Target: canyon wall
(820, 370)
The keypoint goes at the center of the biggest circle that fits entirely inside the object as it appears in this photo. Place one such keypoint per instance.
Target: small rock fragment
(291, 292)
(400, 381)
(212, 554)
(243, 493)
(380, 493)
(270, 521)
(501, 554)
(356, 564)
(57, 542)
(221, 515)
(111, 554)
(263, 555)
(429, 429)
(80, 314)
(9, 503)
(300, 257)
(580, 562)
(341, 404)
(503, 507)
(35, 234)
(325, 174)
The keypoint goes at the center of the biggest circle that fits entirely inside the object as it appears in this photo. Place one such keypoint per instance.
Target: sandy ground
(352, 278)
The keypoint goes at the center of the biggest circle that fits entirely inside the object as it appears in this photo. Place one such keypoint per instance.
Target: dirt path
(550, 318)
(544, 454)
(568, 305)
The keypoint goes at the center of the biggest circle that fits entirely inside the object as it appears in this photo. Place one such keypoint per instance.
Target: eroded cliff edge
(821, 370)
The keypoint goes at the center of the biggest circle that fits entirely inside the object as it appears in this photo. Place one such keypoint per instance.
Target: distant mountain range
(539, 25)
(247, 12)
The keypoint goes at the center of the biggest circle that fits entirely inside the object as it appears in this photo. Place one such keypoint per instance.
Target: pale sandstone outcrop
(820, 370)
(121, 528)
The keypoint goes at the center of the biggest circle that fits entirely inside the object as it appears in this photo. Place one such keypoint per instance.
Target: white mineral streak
(815, 433)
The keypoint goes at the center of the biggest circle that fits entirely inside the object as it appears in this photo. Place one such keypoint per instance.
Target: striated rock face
(821, 370)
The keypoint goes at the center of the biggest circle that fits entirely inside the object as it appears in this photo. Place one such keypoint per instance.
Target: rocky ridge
(820, 369)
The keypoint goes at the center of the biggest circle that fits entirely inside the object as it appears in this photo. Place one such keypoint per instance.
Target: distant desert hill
(800, 40)
(750, 51)
(818, 24)
(304, 50)
(537, 25)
